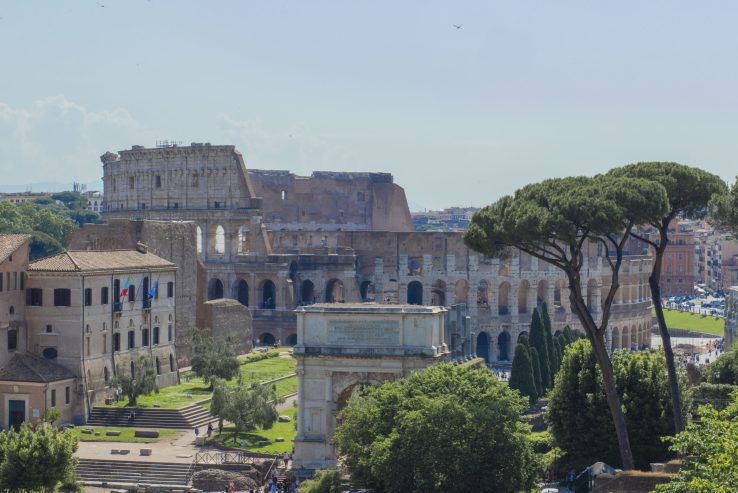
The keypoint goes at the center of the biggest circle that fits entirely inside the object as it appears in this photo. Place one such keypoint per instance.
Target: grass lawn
(126, 435)
(676, 319)
(285, 430)
(176, 396)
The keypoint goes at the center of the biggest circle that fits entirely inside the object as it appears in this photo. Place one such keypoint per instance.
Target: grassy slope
(676, 319)
(284, 430)
(126, 435)
(176, 396)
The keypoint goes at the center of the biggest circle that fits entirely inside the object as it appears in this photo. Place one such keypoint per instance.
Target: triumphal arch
(341, 347)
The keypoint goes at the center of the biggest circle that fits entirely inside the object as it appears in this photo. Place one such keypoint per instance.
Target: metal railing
(227, 457)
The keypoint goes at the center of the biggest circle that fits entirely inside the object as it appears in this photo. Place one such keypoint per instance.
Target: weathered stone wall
(228, 318)
(331, 201)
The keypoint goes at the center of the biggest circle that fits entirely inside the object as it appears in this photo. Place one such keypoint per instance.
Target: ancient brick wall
(229, 318)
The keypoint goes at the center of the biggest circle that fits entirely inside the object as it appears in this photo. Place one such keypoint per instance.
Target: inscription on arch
(364, 332)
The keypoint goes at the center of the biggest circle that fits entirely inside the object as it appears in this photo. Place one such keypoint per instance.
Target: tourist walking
(197, 432)
(210, 429)
(233, 488)
(286, 459)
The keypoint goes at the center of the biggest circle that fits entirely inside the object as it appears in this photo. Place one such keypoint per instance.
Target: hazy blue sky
(523, 91)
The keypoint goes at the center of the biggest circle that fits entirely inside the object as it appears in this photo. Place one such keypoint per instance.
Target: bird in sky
(458, 26)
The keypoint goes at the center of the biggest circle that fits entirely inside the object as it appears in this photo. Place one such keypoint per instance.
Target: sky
(522, 91)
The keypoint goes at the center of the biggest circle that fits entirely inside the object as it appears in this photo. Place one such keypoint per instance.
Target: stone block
(88, 431)
(284, 419)
(145, 451)
(112, 433)
(146, 434)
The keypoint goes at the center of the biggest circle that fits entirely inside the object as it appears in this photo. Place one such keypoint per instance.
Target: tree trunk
(676, 396)
(608, 378)
(654, 281)
(613, 401)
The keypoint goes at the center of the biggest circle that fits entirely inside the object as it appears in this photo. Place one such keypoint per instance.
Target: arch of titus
(343, 346)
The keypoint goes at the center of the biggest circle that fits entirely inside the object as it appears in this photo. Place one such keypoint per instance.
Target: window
(104, 295)
(169, 333)
(53, 397)
(49, 329)
(156, 335)
(106, 374)
(131, 182)
(176, 205)
(50, 353)
(11, 311)
(145, 337)
(1, 281)
(62, 297)
(158, 367)
(12, 339)
(158, 181)
(88, 296)
(143, 205)
(216, 205)
(131, 339)
(15, 280)
(171, 362)
(7, 281)
(23, 280)
(195, 180)
(131, 293)
(116, 341)
(116, 290)
(66, 395)
(34, 297)
(170, 289)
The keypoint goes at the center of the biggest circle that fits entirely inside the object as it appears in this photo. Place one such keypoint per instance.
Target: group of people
(209, 429)
(714, 349)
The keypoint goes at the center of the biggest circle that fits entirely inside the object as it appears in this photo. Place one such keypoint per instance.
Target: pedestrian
(233, 487)
(220, 426)
(132, 416)
(570, 479)
(225, 490)
(210, 429)
(197, 432)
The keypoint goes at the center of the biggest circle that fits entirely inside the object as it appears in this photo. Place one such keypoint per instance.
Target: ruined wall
(331, 201)
(174, 241)
(226, 318)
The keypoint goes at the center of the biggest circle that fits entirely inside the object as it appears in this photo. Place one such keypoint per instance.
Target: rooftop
(11, 243)
(104, 260)
(24, 367)
(368, 308)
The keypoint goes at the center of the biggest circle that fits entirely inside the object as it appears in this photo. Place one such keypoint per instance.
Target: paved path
(178, 448)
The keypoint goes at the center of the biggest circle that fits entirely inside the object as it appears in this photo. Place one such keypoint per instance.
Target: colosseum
(274, 241)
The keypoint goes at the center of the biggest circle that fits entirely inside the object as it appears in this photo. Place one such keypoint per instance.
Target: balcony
(117, 307)
(147, 304)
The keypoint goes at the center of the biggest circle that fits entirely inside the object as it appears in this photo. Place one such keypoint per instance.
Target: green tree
(689, 191)
(711, 445)
(213, 357)
(324, 481)
(37, 460)
(724, 369)
(219, 400)
(559, 347)
(535, 364)
(553, 359)
(143, 382)
(577, 407)
(538, 341)
(522, 378)
(52, 414)
(446, 428)
(523, 339)
(250, 406)
(560, 221)
(569, 335)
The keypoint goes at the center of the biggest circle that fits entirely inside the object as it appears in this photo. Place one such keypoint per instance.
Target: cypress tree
(524, 341)
(569, 335)
(521, 375)
(552, 355)
(538, 341)
(534, 359)
(559, 346)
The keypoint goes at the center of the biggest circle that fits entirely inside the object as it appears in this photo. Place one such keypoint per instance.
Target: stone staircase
(183, 418)
(94, 472)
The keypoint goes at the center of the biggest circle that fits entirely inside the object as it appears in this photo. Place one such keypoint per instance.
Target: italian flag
(124, 291)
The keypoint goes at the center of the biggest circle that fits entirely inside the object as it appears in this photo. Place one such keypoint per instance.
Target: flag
(152, 291)
(124, 291)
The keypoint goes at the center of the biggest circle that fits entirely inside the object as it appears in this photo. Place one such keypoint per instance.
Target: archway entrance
(242, 293)
(415, 293)
(483, 346)
(268, 295)
(367, 291)
(334, 291)
(307, 292)
(267, 339)
(291, 339)
(503, 346)
(215, 289)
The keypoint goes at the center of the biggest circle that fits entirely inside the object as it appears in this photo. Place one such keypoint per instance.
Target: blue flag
(152, 291)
